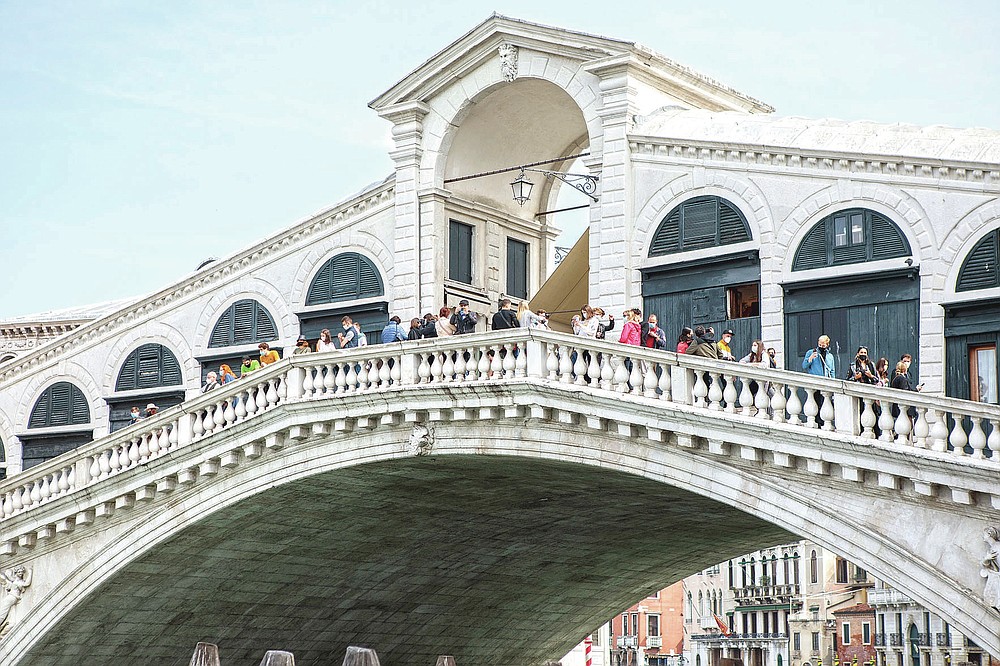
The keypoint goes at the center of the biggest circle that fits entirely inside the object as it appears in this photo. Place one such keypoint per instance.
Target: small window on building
(796, 641)
(841, 570)
(860, 575)
(866, 633)
(624, 624)
(850, 237)
(813, 568)
(635, 624)
(460, 252)
(845, 633)
(517, 268)
(815, 641)
(652, 625)
(743, 301)
(983, 373)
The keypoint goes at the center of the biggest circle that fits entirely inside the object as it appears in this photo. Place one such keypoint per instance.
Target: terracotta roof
(858, 609)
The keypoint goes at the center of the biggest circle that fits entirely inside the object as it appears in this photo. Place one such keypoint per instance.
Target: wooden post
(205, 654)
(359, 656)
(278, 658)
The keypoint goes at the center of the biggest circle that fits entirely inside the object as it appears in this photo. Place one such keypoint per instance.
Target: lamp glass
(522, 189)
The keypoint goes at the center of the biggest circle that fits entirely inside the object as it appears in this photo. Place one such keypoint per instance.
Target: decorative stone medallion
(508, 61)
(421, 440)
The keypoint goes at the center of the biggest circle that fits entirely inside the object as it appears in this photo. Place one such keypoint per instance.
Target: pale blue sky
(138, 138)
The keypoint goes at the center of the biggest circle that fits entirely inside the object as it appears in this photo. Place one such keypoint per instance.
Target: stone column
(407, 134)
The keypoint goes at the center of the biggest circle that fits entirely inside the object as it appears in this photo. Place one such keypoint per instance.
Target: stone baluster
(167, 439)
(66, 479)
(105, 462)
(580, 367)
(114, 461)
(902, 426)
(921, 428)
(134, 456)
(977, 438)
(396, 371)
(619, 381)
(146, 444)
(729, 394)
(271, 394)
(307, 383)
(957, 438)
(240, 405)
(594, 369)
(650, 381)
(565, 364)
(219, 415)
(251, 402)
(436, 368)
(779, 403)
(746, 396)
(484, 363)
(36, 493)
(607, 372)
(552, 361)
(521, 361)
(663, 382)
(509, 362)
(993, 441)
(385, 372)
(17, 499)
(447, 368)
(8, 504)
(363, 381)
(229, 413)
(827, 411)
(715, 392)
(496, 363)
(811, 409)
(459, 368)
(636, 377)
(45, 491)
(886, 422)
(327, 384)
(868, 419)
(700, 390)
(762, 401)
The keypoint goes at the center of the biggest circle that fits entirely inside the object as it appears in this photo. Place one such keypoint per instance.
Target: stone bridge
(492, 496)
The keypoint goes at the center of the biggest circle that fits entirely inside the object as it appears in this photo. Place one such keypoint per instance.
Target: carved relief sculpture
(508, 61)
(15, 582)
(991, 567)
(421, 440)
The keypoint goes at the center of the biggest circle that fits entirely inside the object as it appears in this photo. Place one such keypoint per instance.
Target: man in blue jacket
(819, 361)
(393, 331)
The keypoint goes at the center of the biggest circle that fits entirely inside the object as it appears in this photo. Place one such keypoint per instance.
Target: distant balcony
(880, 640)
(943, 639)
(654, 641)
(924, 639)
(628, 641)
(759, 594)
(707, 622)
(881, 596)
(896, 640)
(740, 637)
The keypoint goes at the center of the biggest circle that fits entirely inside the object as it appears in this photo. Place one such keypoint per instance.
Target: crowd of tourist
(591, 322)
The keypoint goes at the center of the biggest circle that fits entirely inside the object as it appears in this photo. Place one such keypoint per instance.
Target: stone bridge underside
(496, 560)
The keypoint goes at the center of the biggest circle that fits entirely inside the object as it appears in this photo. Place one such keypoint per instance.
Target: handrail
(951, 427)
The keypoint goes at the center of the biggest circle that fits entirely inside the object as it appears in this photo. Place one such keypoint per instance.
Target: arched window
(149, 366)
(701, 604)
(732, 574)
(743, 573)
(690, 606)
(784, 563)
(795, 567)
(699, 223)
(813, 568)
(346, 277)
(851, 236)
(979, 270)
(61, 404)
(243, 322)
(753, 571)
(774, 569)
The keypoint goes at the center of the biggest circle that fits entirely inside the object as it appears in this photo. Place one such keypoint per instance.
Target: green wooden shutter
(699, 223)
(265, 327)
(812, 252)
(243, 321)
(319, 290)
(888, 241)
(460, 252)
(667, 238)
(517, 268)
(222, 334)
(149, 366)
(61, 404)
(979, 270)
(883, 239)
(346, 277)
(733, 228)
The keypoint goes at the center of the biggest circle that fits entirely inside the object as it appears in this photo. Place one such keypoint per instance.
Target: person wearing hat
(725, 351)
(464, 320)
(301, 346)
(151, 410)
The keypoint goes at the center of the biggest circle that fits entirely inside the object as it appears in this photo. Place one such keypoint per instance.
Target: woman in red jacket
(632, 329)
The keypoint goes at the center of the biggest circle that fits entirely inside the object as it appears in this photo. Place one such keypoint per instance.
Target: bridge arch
(527, 469)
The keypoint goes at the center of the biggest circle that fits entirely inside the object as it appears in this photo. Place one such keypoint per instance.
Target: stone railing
(884, 596)
(730, 390)
(756, 592)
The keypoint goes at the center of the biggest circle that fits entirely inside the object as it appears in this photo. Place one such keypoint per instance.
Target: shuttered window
(460, 252)
(699, 223)
(517, 268)
(61, 404)
(346, 277)
(149, 366)
(979, 270)
(852, 236)
(244, 322)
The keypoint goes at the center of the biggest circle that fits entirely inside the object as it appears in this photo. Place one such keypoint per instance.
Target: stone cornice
(204, 281)
(654, 149)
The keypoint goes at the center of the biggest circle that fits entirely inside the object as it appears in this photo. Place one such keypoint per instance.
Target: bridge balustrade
(951, 427)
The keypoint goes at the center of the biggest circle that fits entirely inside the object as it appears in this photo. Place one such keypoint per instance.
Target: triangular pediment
(481, 43)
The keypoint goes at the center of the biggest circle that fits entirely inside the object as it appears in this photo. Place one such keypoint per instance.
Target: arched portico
(341, 526)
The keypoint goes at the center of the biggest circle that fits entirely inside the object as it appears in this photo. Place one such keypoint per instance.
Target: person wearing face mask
(862, 370)
(772, 358)
(249, 365)
(819, 360)
(349, 338)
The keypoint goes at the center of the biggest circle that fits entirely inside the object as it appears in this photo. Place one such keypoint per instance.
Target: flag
(723, 627)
